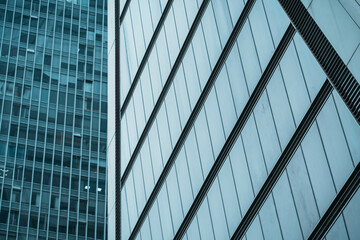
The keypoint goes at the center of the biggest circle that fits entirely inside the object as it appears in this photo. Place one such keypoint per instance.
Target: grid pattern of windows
(53, 108)
(234, 119)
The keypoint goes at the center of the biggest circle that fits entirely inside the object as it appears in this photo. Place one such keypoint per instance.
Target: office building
(53, 103)
(234, 119)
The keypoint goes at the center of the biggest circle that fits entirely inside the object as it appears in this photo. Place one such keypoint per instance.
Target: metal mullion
(230, 141)
(338, 205)
(164, 91)
(146, 56)
(118, 119)
(196, 110)
(283, 160)
(123, 13)
(326, 55)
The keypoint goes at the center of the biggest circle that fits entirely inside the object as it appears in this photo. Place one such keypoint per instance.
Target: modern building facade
(234, 119)
(53, 102)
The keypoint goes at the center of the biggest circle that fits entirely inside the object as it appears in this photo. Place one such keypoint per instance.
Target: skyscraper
(53, 103)
(234, 119)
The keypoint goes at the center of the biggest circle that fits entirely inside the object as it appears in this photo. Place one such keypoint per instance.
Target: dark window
(47, 60)
(56, 180)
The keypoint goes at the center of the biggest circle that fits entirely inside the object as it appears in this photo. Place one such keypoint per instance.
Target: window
(60, 117)
(78, 121)
(11, 149)
(47, 60)
(42, 114)
(64, 202)
(88, 102)
(94, 144)
(46, 180)
(35, 93)
(76, 162)
(2, 148)
(43, 220)
(56, 180)
(45, 197)
(14, 130)
(37, 176)
(86, 142)
(96, 105)
(101, 208)
(33, 220)
(7, 107)
(18, 90)
(84, 185)
(18, 174)
(103, 125)
(62, 97)
(77, 140)
(66, 163)
(14, 216)
(62, 224)
(68, 139)
(52, 115)
(2, 87)
(75, 182)
(50, 136)
(54, 202)
(72, 227)
(9, 89)
(23, 219)
(33, 112)
(59, 136)
(30, 153)
(16, 194)
(87, 122)
(41, 134)
(82, 206)
(13, 51)
(48, 158)
(53, 223)
(82, 225)
(25, 111)
(79, 101)
(16, 109)
(26, 195)
(44, 95)
(4, 127)
(93, 189)
(69, 119)
(35, 199)
(91, 229)
(32, 132)
(88, 86)
(26, 93)
(53, 96)
(57, 158)
(82, 48)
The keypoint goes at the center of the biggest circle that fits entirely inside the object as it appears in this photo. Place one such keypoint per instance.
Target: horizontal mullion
(336, 70)
(283, 160)
(337, 206)
(244, 116)
(198, 106)
(145, 57)
(164, 91)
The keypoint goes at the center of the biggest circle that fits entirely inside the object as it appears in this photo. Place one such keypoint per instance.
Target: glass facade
(233, 119)
(53, 105)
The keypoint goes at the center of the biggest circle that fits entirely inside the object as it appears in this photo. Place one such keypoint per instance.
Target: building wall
(172, 140)
(53, 104)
